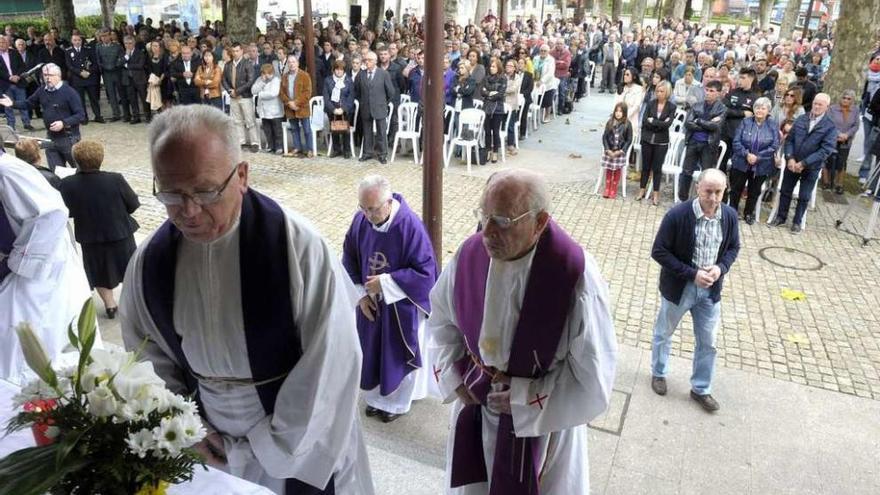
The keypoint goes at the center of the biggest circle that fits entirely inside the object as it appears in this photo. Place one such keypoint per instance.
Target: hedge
(87, 25)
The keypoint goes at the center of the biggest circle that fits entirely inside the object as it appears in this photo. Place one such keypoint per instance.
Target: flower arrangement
(106, 426)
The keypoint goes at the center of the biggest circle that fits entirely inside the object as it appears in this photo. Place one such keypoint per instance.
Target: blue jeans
(300, 144)
(871, 134)
(17, 95)
(808, 180)
(562, 91)
(705, 314)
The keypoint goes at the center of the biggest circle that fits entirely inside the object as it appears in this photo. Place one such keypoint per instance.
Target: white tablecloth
(210, 482)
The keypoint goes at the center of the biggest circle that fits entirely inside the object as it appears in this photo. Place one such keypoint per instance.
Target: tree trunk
(854, 41)
(375, 13)
(450, 10)
(108, 8)
(677, 8)
(224, 10)
(241, 23)
(616, 9)
(398, 14)
(706, 14)
(61, 15)
(789, 19)
(598, 7)
(480, 11)
(765, 7)
(502, 12)
(688, 9)
(579, 12)
(638, 12)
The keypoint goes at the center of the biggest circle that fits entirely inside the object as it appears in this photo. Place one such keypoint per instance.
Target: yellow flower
(149, 489)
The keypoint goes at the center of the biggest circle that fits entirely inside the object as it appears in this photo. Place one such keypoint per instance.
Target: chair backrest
(316, 106)
(520, 101)
(405, 99)
(478, 104)
(256, 107)
(407, 114)
(675, 148)
(448, 116)
(678, 120)
(357, 110)
(591, 67)
(508, 114)
(722, 148)
(537, 95)
(470, 124)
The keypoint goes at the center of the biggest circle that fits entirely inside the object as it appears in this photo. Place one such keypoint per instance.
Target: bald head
(714, 176)
(820, 104)
(513, 213)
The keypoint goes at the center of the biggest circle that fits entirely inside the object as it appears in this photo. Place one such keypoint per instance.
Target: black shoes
(135, 121)
(777, 222)
(365, 158)
(658, 385)
(385, 416)
(708, 403)
(383, 161)
(796, 228)
(388, 417)
(750, 219)
(100, 120)
(837, 190)
(29, 127)
(114, 119)
(111, 312)
(371, 411)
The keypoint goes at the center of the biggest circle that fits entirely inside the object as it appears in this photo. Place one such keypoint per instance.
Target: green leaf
(35, 354)
(86, 329)
(31, 471)
(74, 342)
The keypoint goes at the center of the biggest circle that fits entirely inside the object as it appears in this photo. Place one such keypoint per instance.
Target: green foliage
(87, 25)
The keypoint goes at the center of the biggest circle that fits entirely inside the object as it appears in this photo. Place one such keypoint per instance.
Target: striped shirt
(707, 240)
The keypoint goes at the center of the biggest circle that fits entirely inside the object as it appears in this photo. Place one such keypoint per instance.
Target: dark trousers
(511, 126)
(216, 102)
(697, 156)
(807, 179)
(524, 117)
(609, 76)
(371, 139)
(92, 92)
(272, 130)
(135, 98)
(58, 152)
(652, 163)
(837, 161)
(493, 131)
(113, 88)
(581, 88)
(739, 181)
(188, 96)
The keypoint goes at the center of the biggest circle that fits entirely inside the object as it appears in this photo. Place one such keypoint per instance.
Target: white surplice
(416, 385)
(314, 432)
(48, 285)
(576, 389)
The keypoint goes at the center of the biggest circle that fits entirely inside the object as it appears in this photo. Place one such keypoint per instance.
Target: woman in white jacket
(545, 67)
(267, 88)
(633, 95)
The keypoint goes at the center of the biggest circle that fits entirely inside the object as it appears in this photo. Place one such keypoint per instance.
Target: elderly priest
(526, 348)
(388, 254)
(243, 303)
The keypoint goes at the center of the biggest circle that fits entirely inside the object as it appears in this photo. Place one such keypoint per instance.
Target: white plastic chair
(317, 121)
(722, 148)
(794, 198)
(387, 126)
(623, 173)
(520, 103)
(591, 68)
(535, 109)
(671, 168)
(351, 128)
(678, 120)
(505, 125)
(404, 98)
(478, 104)
(409, 126)
(471, 121)
(554, 86)
(448, 115)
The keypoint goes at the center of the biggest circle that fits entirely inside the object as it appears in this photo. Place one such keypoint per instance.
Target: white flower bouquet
(106, 426)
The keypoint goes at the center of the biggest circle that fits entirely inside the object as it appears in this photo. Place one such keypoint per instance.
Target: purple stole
(7, 240)
(273, 342)
(557, 265)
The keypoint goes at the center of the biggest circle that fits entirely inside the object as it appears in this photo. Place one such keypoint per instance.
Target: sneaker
(658, 385)
(707, 402)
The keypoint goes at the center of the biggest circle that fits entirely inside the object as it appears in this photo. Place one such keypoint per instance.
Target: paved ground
(798, 380)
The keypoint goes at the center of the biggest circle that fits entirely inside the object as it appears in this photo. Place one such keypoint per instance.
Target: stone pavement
(791, 373)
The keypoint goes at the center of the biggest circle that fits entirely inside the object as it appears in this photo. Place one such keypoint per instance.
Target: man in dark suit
(374, 89)
(134, 82)
(83, 70)
(11, 82)
(109, 55)
(29, 57)
(52, 54)
(183, 71)
(696, 245)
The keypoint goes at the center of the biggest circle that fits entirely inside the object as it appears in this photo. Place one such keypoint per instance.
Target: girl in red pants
(616, 140)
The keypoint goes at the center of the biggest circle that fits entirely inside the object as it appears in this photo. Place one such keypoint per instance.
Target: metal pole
(807, 20)
(309, 45)
(434, 106)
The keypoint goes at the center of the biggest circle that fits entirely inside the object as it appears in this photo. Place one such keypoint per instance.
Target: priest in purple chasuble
(241, 303)
(388, 255)
(525, 348)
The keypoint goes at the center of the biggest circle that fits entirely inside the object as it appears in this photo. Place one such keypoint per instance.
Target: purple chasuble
(273, 341)
(7, 240)
(390, 344)
(557, 265)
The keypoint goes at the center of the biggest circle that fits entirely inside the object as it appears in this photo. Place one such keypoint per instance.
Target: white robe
(577, 386)
(314, 432)
(416, 385)
(48, 285)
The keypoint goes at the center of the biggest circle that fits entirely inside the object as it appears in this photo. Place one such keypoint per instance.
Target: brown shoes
(658, 385)
(706, 401)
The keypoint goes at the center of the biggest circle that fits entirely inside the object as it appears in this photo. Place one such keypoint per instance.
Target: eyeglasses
(502, 223)
(201, 198)
(374, 209)
(789, 94)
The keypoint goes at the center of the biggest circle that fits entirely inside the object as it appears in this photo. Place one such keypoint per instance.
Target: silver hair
(849, 92)
(371, 55)
(537, 196)
(712, 174)
(763, 102)
(193, 122)
(52, 69)
(375, 182)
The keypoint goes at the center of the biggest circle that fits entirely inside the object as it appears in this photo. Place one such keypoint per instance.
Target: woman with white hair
(845, 116)
(753, 157)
